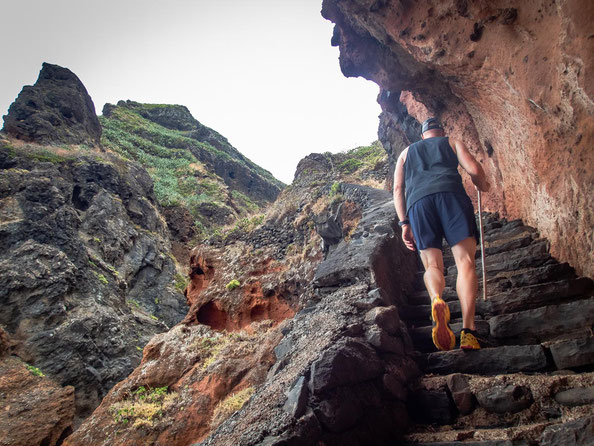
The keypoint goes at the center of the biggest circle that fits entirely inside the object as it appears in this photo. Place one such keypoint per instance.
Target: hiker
(431, 204)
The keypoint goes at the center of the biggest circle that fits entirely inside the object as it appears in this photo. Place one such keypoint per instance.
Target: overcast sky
(260, 72)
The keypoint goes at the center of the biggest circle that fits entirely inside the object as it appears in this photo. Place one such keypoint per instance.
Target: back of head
(431, 123)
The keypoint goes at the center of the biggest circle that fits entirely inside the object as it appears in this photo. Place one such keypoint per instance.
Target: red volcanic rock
(35, 410)
(512, 79)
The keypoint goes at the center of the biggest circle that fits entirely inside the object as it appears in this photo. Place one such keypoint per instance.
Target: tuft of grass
(209, 348)
(101, 278)
(233, 284)
(232, 404)
(142, 406)
(34, 370)
(181, 282)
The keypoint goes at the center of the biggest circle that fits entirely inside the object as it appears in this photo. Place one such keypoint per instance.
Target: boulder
(504, 399)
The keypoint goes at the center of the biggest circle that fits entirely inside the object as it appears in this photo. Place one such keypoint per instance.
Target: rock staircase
(533, 383)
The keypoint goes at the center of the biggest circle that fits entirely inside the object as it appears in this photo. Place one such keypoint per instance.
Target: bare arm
(399, 201)
(471, 165)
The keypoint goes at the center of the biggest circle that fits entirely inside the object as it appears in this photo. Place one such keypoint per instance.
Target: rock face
(35, 410)
(333, 369)
(57, 109)
(87, 275)
(513, 80)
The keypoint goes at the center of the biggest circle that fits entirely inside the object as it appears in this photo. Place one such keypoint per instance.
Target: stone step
(533, 255)
(423, 342)
(447, 399)
(421, 297)
(488, 361)
(423, 312)
(576, 432)
(518, 241)
(541, 323)
(573, 353)
(471, 443)
(534, 296)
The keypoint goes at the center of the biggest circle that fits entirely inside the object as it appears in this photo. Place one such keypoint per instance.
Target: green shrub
(34, 370)
(233, 284)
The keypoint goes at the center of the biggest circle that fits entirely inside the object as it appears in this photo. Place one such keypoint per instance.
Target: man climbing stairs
(532, 383)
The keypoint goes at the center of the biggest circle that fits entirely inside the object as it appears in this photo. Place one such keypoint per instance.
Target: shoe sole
(443, 337)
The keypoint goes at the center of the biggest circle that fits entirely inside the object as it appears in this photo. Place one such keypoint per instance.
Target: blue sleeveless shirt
(431, 166)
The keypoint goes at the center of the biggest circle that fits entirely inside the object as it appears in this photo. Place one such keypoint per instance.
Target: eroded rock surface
(34, 409)
(513, 80)
(57, 109)
(87, 275)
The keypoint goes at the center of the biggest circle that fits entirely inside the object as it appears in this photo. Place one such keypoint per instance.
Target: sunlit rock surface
(512, 79)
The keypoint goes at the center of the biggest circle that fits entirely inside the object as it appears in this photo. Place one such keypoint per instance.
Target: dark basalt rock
(503, 399)
(86, 270)
(461, 394)
(349, 362)
(579, 432)
(558, 318)
(431, 406)
(57, 109)
(573, 352)
(507, 359)
(576, 397)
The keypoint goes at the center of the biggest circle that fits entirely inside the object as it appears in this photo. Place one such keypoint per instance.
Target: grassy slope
(180, 179)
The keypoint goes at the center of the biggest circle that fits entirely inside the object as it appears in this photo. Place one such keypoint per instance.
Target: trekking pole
(482, 246)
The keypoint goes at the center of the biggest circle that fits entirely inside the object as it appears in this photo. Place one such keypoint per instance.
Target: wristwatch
(403, 222)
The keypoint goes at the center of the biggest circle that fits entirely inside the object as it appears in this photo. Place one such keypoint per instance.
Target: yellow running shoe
(468, 340)
(443, 337)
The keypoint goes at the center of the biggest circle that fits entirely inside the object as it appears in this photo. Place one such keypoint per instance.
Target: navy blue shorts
(444, 214)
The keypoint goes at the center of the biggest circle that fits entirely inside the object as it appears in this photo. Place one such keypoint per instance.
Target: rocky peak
(57, 109)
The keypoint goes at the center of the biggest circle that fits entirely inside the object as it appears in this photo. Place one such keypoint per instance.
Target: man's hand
(408, 238)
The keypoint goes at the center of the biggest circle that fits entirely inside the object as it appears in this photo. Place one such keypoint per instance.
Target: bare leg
(432, 259)
(442, 335)
(466, 282)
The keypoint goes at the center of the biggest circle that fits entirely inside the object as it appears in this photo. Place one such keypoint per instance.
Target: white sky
(260, 72)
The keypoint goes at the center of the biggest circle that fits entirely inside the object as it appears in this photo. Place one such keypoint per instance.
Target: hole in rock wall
(201, 273)
(210, 314)
(254, 307)
(79, 201)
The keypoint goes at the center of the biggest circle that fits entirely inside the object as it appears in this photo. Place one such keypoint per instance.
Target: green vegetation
(181, 282)
(233, 284)
(172, 158)
(334, 189)
(232, 403)
(101, 278)
(143, 406)
(209, 348)
(34, 370)
(362, 157)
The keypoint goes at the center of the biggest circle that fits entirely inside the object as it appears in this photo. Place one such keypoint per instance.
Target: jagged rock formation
(34, 409)
(512, 79)
(87, 276)
(57, 109)
(523, 389)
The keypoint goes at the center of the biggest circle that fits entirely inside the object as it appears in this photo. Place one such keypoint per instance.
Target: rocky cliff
(512, 79)
(88, 269)
(87, 273)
